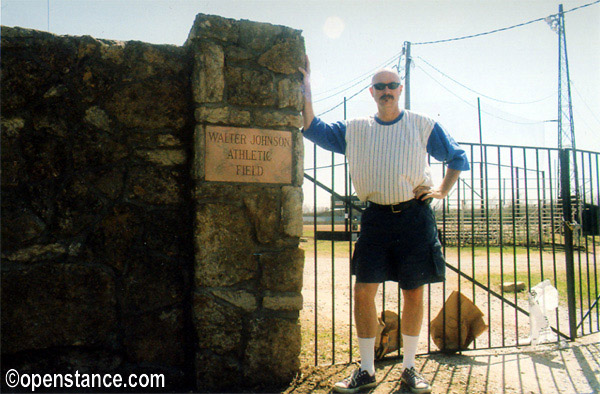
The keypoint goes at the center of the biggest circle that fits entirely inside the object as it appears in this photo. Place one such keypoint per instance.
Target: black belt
(403, 206)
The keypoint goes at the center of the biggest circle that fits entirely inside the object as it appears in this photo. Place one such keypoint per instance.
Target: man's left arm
(443, 148)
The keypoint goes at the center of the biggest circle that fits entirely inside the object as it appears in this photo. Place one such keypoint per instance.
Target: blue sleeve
(443, 148)
(328, 136)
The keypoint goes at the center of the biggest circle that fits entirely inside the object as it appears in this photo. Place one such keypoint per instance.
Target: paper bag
(471, 324)
(388, 336)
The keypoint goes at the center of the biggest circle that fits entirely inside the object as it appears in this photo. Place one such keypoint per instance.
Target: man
(387, 159)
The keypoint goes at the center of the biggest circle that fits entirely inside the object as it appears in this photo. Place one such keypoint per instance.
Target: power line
(473, 106)
(347, 99)
(401, 53)
(481, 94)
(584, 102)
(359, 79)
(501, 29)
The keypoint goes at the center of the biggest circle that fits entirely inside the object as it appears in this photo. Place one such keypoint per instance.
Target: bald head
(386, 89)
(385, 75)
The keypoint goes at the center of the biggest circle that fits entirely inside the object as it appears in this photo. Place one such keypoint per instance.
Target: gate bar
(565, 181)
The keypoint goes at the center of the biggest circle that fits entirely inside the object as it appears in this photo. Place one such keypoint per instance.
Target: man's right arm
(308, 113)
(328, 136)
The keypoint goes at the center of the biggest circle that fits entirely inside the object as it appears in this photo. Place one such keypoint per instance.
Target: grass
(583, 290)
(325, 345)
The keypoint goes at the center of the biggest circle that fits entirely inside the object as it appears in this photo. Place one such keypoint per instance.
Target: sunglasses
(391, 85)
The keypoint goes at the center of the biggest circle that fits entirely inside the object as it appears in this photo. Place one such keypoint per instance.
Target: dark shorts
(401, 247)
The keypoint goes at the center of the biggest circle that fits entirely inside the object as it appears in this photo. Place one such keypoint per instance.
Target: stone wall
(117, 255)
(247, 294)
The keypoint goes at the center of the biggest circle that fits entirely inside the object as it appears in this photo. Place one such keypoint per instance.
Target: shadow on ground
(573, 367)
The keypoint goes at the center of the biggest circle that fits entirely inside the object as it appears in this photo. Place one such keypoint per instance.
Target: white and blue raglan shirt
(388, 160)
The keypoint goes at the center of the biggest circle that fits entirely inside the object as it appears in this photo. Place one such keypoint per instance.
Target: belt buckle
(394, 210)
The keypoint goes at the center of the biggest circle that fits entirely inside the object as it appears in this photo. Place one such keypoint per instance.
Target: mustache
(386, 96)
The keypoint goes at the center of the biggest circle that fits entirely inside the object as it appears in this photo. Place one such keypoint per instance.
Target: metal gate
(511, 219)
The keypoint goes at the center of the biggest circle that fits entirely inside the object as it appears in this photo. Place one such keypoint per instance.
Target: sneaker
(359, 380)
(415, 382)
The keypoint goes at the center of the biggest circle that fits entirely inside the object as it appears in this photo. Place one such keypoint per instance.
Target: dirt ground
(502, 363)
(545, 369)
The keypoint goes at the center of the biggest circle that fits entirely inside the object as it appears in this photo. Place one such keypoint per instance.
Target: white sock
(366, 346)
(409, 350)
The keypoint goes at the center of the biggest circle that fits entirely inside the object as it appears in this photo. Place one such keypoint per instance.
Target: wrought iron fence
(517, 217)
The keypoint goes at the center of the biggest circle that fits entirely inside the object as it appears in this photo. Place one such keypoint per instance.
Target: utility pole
(407, 75)
(568, 171)
(566, 128)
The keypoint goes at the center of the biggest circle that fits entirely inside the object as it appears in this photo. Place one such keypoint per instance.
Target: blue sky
(347, 40)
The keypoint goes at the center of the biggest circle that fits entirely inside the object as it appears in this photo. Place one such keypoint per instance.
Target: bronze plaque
(236, 154)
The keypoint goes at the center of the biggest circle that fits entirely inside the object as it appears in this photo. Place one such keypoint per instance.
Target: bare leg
(412, 317)
(365, 312)
(412, 312)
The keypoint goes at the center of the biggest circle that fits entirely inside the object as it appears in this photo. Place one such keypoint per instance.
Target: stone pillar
(248, 267)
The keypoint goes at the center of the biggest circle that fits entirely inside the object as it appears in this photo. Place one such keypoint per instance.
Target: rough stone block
(155, 186)
(19, 226)
(197, 170)
(283, 302)
(258, 36)
(77, 208)
(163, 157)
(11, 127)
(217, 373)
(156, 139)
(57, 305)
(156, 104)
(238, 298)
(14, 165)
(272, 351)
(224, 246)
(92, 148)
(25, 81)
(108, 181)
(45, 156)
(269, 118)
(208, 79)
(213, 27)
(237, 54)
(289, 94)
(98, 118)
(116, 236)
(155, 337)
(142, 60)
(151, 281)
(250, 87)
(221, 192)
(230, 116)
(265, 213)
(219, 328)
(298, 155)
(292, 211)
(284, 57)
(35, 253)
(282, 272)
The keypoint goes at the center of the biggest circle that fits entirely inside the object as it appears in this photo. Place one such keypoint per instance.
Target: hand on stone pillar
(307, 112)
